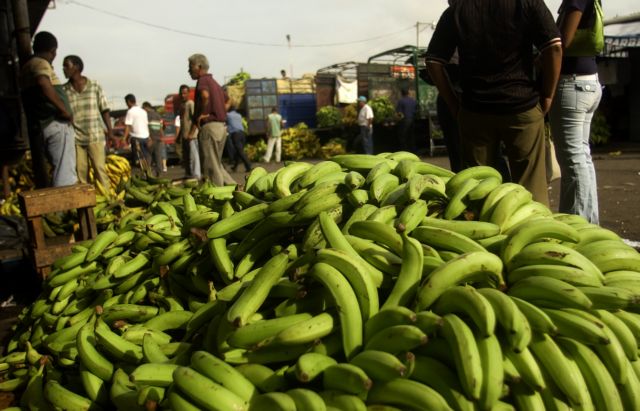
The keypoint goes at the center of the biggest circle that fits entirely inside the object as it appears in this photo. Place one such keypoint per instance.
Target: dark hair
(404, 91)
(273, 109)
(182, 87)
(130, 98)
(76, 61)
(146, 104)
(44, 41)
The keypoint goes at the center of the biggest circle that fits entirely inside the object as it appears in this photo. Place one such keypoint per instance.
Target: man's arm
(204, 101)
(50, 93)
(107, 122)
(176, 123)
(127, 130)
(443, 84)
(550, 64)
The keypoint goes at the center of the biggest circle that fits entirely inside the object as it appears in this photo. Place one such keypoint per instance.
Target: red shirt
(217, 98)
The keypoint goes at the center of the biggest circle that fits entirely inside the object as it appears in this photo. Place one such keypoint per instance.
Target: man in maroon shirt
(209, 117)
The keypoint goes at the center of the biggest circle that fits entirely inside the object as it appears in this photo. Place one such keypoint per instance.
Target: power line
(228, 40)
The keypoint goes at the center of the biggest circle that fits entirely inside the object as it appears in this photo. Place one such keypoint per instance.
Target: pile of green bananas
(361, 283)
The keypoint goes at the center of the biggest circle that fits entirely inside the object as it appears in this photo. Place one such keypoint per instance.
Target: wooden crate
(35, 204)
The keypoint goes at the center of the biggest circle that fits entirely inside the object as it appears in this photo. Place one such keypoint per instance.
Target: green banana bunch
(336, 285)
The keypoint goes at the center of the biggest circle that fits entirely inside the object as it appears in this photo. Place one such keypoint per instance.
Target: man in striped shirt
(501, 101)
(156, 133)
(91, 121)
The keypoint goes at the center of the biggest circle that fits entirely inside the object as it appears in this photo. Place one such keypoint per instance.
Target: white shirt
(364, 115)
(138, 120)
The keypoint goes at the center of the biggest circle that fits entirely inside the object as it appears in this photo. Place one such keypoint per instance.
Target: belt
(579, 76)
(210, 121)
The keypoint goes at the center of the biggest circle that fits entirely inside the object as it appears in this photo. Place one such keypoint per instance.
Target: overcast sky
(142, 46)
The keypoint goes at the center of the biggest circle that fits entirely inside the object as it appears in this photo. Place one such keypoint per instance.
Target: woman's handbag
(553, 167)
(588, 42)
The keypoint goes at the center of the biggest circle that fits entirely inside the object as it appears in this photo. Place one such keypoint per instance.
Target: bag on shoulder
(589, 41)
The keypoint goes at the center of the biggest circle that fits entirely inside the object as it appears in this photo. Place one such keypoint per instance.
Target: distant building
(621, 58)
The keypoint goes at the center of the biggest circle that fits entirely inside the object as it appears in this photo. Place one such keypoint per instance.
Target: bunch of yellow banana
(338, 285)
(10, 206)
(118, 171)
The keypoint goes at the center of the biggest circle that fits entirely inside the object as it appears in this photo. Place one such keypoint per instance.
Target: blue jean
(366, 135)
(570, 116)
(193, 158)
(60, 149)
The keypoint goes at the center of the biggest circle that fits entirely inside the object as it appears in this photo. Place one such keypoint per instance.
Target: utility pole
(290, 59)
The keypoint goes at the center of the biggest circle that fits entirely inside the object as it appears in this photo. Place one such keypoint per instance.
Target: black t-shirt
(495, 40)
(579, 65)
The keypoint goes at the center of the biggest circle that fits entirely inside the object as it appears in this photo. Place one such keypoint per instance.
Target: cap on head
(362, 98)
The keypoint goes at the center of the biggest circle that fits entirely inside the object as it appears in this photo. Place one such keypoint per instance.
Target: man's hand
(545, 104)
(202, 117)
(66, 116)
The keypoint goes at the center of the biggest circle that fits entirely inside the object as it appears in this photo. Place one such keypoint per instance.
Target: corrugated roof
(629, 18)
(37, 8)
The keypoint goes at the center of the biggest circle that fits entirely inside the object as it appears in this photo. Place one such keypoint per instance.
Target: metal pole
(290, 59)
(22, 29)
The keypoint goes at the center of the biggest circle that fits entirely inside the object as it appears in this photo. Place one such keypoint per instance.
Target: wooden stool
(35, 204)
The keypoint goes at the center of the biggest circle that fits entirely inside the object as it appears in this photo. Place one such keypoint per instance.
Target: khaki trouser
(212, 137)
(523, 136)
(92, 155)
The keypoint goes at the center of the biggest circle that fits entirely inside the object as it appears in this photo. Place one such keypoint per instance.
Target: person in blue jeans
(237, 139)
(49, 116)
(577, 97)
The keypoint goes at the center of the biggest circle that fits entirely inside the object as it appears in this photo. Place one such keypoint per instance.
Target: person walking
(49, 116)
(91, 121)
(237, 138)
(274, 135)
(501, 102)
(406, 109)
(210, 114)
(156, 133)
(136, 131)
(577, 98)
(365, 122)
(190, 150)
